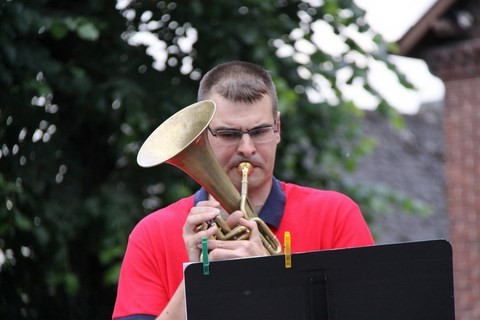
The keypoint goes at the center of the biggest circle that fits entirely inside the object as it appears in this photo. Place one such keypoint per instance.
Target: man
(246, 127)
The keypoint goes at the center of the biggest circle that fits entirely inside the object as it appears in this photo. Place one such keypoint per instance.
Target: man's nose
(246, 146)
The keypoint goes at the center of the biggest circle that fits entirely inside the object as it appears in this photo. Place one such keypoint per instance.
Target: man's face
(245, 116)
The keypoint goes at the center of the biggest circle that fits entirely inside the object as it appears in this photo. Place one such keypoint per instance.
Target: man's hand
(195, 229)
(221, 250)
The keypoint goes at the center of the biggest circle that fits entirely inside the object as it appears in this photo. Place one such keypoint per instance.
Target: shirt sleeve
(351, 229)
(137, 317)
(141, 290)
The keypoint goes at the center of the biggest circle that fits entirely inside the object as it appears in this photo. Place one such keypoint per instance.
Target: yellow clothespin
(287, 249)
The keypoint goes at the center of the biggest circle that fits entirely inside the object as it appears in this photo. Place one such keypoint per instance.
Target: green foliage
(77, 101)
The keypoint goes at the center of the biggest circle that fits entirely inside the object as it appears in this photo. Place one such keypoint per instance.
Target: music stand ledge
(403, 281)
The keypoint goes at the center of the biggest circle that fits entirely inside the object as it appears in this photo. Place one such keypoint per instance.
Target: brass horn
(182, 141)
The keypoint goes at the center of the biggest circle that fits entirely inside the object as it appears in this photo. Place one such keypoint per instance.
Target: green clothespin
(206, 263)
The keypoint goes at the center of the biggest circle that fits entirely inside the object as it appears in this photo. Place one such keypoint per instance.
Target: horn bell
(182, 141)
(176, 133)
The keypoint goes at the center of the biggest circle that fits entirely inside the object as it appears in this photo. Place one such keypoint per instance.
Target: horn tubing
(182, 142)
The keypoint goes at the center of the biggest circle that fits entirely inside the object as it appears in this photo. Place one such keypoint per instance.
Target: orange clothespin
(287, 249)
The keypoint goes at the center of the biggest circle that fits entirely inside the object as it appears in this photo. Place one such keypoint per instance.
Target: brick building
(448, 39)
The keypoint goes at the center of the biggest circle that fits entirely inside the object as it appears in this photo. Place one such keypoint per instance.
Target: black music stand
(404, 281)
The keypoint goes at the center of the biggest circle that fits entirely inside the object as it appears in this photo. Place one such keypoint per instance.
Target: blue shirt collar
(272, 210)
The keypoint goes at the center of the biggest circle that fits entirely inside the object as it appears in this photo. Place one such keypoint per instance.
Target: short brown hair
(239, 81)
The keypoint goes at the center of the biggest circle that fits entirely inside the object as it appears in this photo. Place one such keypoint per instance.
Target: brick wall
(459, 67)
(462, 136)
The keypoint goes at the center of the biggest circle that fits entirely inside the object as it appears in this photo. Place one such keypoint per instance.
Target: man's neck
(258, 197)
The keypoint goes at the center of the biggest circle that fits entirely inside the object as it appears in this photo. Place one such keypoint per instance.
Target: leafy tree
(80, 92)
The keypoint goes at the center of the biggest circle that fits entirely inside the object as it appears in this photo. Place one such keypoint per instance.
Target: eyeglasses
(260, 134)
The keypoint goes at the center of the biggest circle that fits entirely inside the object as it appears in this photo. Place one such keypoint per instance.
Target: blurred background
(379, 102)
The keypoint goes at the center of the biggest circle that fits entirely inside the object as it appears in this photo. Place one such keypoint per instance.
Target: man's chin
(236, 180)
(253, 179)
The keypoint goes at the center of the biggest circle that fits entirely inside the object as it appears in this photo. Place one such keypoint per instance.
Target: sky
(392, 19)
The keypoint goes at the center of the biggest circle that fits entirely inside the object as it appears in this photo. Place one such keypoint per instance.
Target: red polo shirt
(153, 264)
